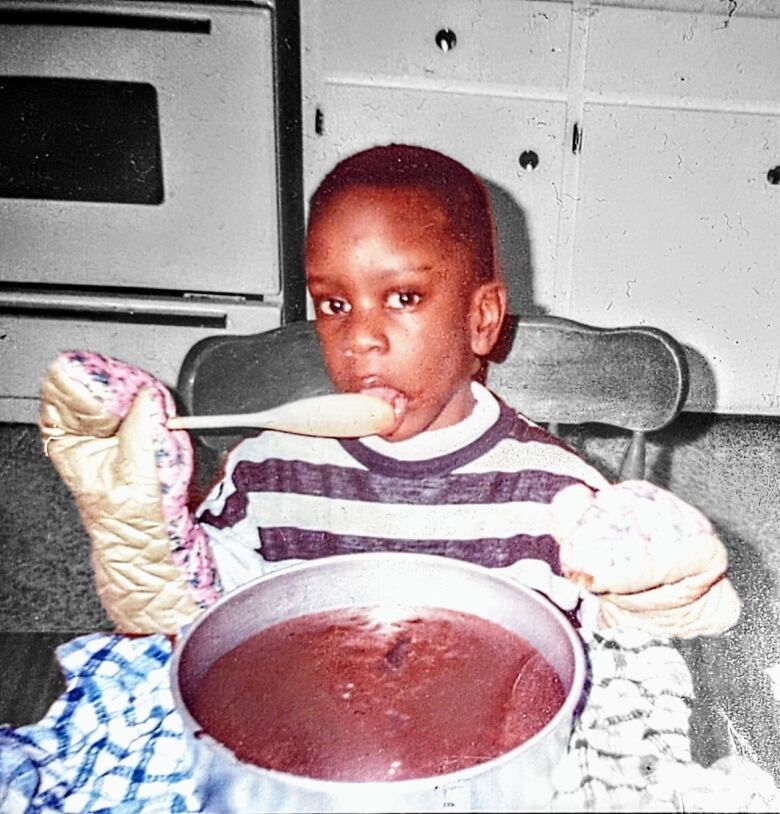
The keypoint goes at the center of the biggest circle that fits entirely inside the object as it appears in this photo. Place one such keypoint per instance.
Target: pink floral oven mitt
(653, 561)
(103, 425)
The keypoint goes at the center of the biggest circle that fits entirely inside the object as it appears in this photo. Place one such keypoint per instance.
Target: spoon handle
(339, 415)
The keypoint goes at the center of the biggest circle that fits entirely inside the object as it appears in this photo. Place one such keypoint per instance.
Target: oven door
(137, 146)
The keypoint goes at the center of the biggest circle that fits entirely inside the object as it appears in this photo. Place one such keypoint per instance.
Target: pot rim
(573, 697)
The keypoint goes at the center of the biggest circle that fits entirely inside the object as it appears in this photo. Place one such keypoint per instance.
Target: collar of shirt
(435, 443)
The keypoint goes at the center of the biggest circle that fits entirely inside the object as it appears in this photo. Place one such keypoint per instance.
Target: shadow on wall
(727, 466)
(514, 251)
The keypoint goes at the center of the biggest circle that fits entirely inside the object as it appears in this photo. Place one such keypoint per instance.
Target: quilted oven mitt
(103, 426)
(653, 561)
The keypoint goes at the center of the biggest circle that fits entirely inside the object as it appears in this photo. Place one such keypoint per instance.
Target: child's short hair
(464, 198)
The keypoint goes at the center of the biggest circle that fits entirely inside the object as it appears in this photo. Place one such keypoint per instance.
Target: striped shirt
(286, 498)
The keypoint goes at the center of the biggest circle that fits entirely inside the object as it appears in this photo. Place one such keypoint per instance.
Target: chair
(557, 371)
(554, 371)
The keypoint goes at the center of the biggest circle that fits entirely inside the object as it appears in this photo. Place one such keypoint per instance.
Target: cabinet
(655, 131)
(456, 123)
(484, 82)
(678, 218)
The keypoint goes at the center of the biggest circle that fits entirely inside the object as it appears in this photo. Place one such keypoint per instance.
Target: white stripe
(236, 559)
(404, 521)
(515, 456)
(236, 556)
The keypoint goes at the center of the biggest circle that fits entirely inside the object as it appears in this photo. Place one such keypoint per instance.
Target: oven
(147, 164)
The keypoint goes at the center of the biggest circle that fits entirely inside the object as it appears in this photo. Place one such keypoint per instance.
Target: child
(402, 269)
(401, 266)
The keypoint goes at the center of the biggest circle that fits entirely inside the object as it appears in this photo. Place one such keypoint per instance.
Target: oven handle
(195, 311)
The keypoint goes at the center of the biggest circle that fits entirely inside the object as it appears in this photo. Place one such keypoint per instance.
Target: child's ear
(488, 308)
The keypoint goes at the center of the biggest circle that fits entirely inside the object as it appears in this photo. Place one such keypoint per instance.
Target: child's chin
(400, 431)
(398, 401)
(395, 435)
(408, 426)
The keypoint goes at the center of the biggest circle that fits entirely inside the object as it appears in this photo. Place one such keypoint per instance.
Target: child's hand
(103, 426)
(653, 561)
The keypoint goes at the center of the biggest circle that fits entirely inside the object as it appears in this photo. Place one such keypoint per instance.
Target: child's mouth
(395, 398)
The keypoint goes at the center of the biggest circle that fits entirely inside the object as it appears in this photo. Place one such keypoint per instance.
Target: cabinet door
(679, 188)
(705, 54)
(138, 97)
(490, 135)
(677, 226)
(484, 81)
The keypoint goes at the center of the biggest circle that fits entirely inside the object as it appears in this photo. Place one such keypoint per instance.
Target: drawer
(153, 334)
(496, 42)
(677, 57)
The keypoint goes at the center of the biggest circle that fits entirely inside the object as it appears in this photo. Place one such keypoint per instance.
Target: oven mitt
(653, 561)
(103, 426)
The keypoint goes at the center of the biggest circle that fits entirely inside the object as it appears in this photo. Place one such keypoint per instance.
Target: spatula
(339, 415)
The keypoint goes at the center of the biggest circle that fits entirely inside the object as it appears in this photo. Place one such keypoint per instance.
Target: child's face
(399, 314)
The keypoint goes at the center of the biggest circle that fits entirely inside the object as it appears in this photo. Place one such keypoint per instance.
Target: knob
(529, 160)
(446, 39)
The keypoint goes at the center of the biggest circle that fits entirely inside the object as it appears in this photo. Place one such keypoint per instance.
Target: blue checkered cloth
(113, 742)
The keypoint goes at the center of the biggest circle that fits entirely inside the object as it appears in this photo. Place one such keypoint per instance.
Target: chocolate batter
(345, 695)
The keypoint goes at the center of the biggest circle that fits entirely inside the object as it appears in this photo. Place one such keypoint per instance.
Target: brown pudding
(344, 695)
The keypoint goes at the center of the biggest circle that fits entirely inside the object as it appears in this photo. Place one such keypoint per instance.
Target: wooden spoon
(339, 415)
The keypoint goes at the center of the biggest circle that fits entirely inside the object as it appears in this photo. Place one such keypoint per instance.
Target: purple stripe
(387, 480)
(343, 483)
(508, 426)
(289, 543)
(234, 511)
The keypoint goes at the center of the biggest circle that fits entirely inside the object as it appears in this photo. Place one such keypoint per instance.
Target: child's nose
(366, 333)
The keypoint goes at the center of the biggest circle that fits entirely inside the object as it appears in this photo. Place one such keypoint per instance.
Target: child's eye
(333, 307)
(403, 299)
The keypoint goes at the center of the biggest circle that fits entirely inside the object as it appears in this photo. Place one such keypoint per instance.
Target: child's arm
(653, 561)
(103, 426)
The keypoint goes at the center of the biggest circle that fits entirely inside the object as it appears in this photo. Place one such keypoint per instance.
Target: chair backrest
(557, 371)
(554, 371)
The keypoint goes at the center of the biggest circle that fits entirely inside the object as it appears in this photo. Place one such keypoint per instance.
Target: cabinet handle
(179, 24)
(445, 39)
(576, 138)
(107, 308)
(773, 176)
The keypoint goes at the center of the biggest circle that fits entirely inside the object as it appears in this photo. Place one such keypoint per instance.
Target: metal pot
(518, 779)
